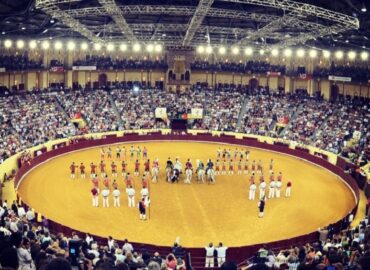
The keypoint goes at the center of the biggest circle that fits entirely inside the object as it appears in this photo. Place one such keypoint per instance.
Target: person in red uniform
(102, 168)
(95, 197)
(95, 182)
(253, 169)
(82, 170)
(124, 166)
(144, 181)
(147, 166)
(114, 169)
(137, 168)
(73, 170)
(280, 177)
(129, 180)
(252, 178)
(92, 170)
(106, 182)
(114, 184)
(272, 177)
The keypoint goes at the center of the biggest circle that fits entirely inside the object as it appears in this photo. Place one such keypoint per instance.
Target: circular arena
(184, 135)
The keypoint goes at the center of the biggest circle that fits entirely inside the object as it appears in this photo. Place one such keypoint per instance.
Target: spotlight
(136, 47)
(158, 48)
(200, 49)
(110, 47)
(32, 44)
(20, 44)
(339, 54)
(97, 46)
(288, 52)
(313, 53)
(58, 45)
(71, 45)
(248, 51)
(222, 50)
(45, 45)
(209, 49)
(300, 53)
(364, 56)
(123, 47)
(275, 52)
(326, 54)
(262, 52)
(352, 55)
(84, 46)
(235, 50)
(150, 48)
(8, 43)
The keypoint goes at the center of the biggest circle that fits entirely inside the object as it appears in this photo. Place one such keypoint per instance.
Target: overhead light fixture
(71, 45)
(352, 55)
(58, 45)
(97, 46)
(23, 28)
(326, 54)
(262, 52)
(158, 48)
(248, 51)
(300, 53)
(364, 56)
(363, 8)
(45, 45)
(52, 21)
(8, 43)
(84, 46)
(200, 49)
(32, 44)
(288, 52)
(150, 48)
(313, 53)
(275, 52)
(222, 50)
(235, 50)
(339, 54)
(209, 49)
(110, 47)
(3, 33)
(20, 44)
(136, 47)
(123, 47)
(45, 31)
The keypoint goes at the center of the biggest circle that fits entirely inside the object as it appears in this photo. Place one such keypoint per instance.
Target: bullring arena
(184, 135)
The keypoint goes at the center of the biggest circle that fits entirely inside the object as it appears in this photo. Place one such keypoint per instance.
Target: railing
(237, 254)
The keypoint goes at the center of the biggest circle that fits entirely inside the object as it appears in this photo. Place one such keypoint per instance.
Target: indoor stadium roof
(321, 23)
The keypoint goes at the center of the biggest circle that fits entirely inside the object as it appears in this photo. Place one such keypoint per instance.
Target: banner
(2, 69)
(196, 113)
(57, 69)
(339, 78)
(304, 76)
(84, 68)
(161, 112)
(273, 74)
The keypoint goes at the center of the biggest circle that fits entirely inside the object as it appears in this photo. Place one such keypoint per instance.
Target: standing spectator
(210, 255)
(127, 247)
(221, 254)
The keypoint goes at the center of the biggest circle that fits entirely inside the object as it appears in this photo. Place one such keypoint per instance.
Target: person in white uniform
(221, 254)
(210, 260)
(272, 189)
(144, 193)
(116, 197)
(105, 193)
(252, 191)
(278, 185)
(131, 196)
(262, 188)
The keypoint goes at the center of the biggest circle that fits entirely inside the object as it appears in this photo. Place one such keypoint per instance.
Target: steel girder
(115, 12)
(197, 20)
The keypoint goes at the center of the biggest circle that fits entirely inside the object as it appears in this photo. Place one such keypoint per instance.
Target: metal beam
(115, 12)
(197, 20)
(55, 12)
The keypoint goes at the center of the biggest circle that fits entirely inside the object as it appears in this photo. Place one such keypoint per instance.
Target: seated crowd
(109, 63)
(340, 127)
(358, 74)
(19, 62)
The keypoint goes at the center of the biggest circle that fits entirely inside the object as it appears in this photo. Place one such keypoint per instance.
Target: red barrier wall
(236, 254)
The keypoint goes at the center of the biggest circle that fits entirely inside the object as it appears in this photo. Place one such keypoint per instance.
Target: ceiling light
(300, 53)
(71, 45)
(288, 52)
(136, 47)
(158, 48)
(150, 47)
(123, 47)
(222, 50)
(110, 47)
(248, 51)
(262, 52)
(275, 52)
(363, 8)
(209, 49)
(23, 28)
(364, 56)
(200, 49)
(45, 45)
(58, 45)
(339, 54)
(97, 46)
(235, 50)
(326, 54)
(313, 53)
(352, 55)
(84, 46)
(8, 43)
(32, 44)
(52, 21)
(20, 44)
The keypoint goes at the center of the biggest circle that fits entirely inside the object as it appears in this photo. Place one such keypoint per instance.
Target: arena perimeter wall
(237, 254)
